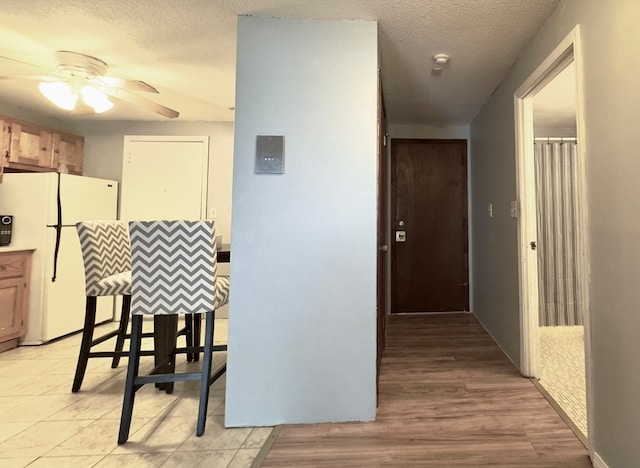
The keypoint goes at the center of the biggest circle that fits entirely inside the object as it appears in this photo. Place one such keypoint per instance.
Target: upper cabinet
(33, 148)
(30, 144)
(68, 149)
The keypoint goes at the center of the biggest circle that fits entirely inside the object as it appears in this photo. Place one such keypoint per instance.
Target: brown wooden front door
(429, 261)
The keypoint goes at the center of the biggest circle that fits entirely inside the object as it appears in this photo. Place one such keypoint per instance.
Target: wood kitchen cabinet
(68, 149)
(15, 271)
(28, 147)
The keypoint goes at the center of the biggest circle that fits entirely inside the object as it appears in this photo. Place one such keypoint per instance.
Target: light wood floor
(448, 397)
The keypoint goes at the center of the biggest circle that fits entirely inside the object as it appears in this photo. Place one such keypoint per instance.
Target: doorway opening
(553, 270)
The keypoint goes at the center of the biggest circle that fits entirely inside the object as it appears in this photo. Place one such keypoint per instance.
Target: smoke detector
(441, 59)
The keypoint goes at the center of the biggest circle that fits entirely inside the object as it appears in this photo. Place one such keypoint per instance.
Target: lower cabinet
(15, 270)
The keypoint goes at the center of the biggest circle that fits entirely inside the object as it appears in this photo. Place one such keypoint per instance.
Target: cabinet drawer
(13, 265)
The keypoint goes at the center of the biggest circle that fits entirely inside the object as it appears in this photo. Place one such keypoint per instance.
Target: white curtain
(559, 236)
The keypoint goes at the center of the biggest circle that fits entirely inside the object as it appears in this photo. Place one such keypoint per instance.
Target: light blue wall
(611, 71)
(302, 327)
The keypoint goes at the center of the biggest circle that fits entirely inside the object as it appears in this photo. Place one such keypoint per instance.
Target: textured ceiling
(186, 49)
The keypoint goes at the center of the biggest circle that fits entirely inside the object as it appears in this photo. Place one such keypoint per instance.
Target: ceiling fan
(80, 77)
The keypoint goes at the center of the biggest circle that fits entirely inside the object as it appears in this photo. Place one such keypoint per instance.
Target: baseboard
(565, 417)
(598, 462)
(498, 343)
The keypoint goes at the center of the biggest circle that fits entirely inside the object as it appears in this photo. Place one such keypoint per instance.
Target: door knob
(383, 248)
(533, 245)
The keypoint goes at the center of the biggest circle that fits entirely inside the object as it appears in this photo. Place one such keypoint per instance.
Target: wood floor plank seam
(448, 397)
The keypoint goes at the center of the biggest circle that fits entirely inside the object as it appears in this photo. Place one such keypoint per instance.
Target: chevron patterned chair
(107, 271)
(173, 273)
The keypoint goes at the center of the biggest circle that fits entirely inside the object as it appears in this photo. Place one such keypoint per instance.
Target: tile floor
(562, 371)
(43, 424)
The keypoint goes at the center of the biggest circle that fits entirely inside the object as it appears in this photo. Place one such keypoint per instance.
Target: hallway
(448, 397)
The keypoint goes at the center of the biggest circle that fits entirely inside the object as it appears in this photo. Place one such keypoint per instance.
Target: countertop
(15, 248)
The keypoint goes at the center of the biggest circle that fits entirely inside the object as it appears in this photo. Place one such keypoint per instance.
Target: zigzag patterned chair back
(106, 256)
(174, 268)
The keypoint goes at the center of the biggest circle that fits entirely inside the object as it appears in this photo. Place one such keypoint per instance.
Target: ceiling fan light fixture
(59, 93)
(96, 98)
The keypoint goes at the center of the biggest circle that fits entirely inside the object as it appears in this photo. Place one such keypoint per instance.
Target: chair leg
(207, 362)
(122, 331)
(197, 330)
(132, 373)
(85, 346)
(165, 329)
(188, 323)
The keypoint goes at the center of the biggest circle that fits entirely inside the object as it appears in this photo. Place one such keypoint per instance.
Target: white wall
(302, 327)
(34, 117)
(461, 132)
(610, 32)
(553, 131)
(104, 144)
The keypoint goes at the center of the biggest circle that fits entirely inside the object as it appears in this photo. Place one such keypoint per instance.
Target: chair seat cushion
(115, 285)
(222, 291)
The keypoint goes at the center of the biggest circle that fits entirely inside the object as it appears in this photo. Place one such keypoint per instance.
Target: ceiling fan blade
(119, 94)
(129, 85)
(52, 77)
(21, 62)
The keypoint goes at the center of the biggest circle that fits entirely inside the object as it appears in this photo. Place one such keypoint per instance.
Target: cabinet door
(69, 150)
(30, 145)
(11, 318)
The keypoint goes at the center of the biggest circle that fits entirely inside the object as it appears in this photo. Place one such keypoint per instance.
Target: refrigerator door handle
(58, 227)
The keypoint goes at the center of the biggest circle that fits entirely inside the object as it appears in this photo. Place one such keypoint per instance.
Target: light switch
(514, 209)
(490, 210)
(269, 154)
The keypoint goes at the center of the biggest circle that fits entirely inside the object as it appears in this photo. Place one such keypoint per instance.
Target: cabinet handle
(44, 148)
(56, 151)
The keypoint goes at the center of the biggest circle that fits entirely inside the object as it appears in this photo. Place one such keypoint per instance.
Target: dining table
(165, 331)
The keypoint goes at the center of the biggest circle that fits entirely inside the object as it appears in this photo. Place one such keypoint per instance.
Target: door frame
(568, 51)
(382, 258)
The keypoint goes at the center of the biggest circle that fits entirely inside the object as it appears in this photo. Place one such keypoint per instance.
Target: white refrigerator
(45, 208)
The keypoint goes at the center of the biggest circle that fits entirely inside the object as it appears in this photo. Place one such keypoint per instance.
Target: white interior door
(164, 178)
